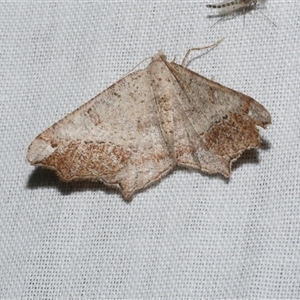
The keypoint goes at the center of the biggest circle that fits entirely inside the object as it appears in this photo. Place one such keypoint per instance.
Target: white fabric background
(191, 235)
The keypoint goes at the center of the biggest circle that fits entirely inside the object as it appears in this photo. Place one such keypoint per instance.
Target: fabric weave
(190, 235)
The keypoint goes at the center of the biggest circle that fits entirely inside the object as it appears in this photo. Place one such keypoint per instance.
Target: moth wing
(115, 138)
(214, 124)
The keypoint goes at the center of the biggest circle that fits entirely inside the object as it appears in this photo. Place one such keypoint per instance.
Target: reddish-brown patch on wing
(155, 157)
(232, 136)
(87, 160)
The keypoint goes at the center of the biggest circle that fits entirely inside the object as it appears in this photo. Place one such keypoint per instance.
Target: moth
(150, 121)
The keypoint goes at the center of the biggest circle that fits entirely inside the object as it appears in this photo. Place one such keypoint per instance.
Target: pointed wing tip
(38, 151)
(261, 116)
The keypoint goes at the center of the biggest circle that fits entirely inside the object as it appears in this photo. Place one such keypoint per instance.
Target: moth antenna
(130, 71)
(199, 49)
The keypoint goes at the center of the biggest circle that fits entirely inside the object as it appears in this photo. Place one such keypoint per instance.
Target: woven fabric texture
(188, 236)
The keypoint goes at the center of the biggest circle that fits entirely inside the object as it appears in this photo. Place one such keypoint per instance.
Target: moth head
(159, 56)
